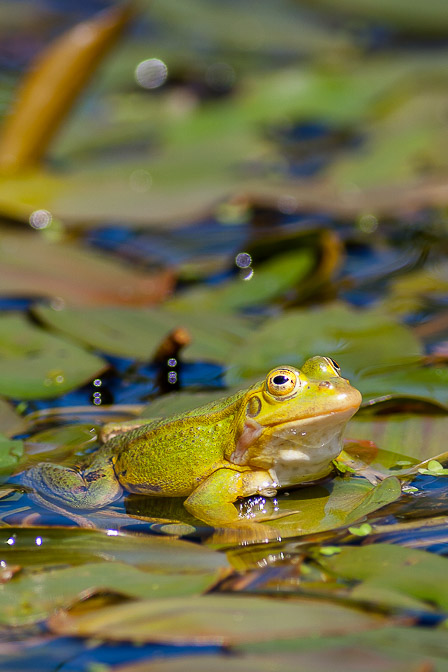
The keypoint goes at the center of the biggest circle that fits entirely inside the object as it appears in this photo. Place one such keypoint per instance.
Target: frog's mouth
(304, 441)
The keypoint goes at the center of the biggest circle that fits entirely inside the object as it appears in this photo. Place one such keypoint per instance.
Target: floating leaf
(10, 421)
(394, 572)
(380, 356)
(11, 453)
(271, 279)
(34, 266)
(137, 333)
(29, 598)
(340, 502)
(212, 619)
(181, 402)
(403, 439)
(73, 546)
(361, 342)
(36, 364)
(434, 469)
(61, 444)
(378, 650)
(386, 650)
(419, 19)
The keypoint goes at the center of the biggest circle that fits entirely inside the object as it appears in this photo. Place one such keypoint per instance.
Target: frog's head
(292, 422)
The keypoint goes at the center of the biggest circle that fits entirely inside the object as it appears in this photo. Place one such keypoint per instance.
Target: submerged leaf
(36, 364)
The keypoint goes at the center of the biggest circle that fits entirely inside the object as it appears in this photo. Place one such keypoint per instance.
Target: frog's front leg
(213, 499)
(92, 488)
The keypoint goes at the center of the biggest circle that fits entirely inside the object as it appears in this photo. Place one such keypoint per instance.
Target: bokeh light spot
(151, 74)
(40, 219)
(243, 260)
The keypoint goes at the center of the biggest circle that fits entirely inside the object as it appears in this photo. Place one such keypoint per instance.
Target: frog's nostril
(326, 383)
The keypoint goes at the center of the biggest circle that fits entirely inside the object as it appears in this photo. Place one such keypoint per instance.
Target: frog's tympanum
(282, 431)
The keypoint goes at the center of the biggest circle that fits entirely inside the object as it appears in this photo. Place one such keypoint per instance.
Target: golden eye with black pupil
(281, 382)
(334, 364)
(253, 407)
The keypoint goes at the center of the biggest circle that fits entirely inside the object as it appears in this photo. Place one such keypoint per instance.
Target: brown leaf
(53, 83)
(32, 265)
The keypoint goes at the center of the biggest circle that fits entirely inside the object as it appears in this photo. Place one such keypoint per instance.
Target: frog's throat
(252, 430)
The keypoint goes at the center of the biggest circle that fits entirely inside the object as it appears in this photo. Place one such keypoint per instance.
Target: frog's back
(170, 456)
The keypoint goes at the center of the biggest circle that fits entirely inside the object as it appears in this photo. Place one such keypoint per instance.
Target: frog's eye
(282, 382)
(334, 365)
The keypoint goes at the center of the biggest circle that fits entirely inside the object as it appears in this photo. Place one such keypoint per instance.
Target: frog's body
(282, 431)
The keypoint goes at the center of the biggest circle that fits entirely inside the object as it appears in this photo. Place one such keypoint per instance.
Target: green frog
(282, 431)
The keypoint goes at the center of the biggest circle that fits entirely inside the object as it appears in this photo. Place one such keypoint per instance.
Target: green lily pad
(10, 421)
(392, 575)
(137, 333)
(343, 501)
(73, 546)
(415, 18)
(29, 598)
(181, 402)
(380, 356)
(11, 453)
(345, 653)
(36, 364)
(63, 445)
(257, 285)
(212, 619)
(402, 439)
(378, 650)
(362, 341)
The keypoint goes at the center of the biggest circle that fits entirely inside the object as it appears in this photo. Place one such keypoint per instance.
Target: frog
(283, 431)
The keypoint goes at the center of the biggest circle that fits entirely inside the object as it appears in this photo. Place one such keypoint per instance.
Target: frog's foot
(213, 499)
(91, 489)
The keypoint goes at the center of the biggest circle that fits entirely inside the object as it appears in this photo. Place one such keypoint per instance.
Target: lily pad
(400, 436)
(383, 648)
(256, 286)
(36, 364)
(343, 501)
(73, 546)
(63, 445)
(181, 402)
(10, 421)
(361, 341)
(11, 453)
(34, 265)
(32, 597)
(137, 333)
(389, 573)
(212, 619)
(380, 356)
